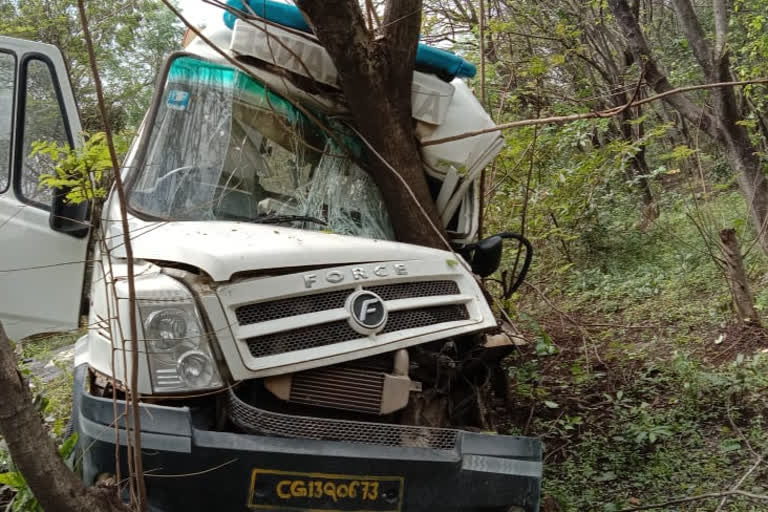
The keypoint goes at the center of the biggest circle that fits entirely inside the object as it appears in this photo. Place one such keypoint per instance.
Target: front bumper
(191, 469)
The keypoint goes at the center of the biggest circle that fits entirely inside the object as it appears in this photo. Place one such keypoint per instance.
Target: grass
(53, 400)
(641, 385)
(676, 429)
(54, 396)
(41, 347)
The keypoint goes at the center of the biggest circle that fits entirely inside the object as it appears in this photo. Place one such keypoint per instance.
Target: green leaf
(68, 446)
(12, 479)
(730, 445)
(607, 476)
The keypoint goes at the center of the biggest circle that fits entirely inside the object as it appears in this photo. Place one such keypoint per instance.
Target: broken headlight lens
(179, 354)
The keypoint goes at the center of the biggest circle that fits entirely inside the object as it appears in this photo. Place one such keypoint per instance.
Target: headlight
(180, 357)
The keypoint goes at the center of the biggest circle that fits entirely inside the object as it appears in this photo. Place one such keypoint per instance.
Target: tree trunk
(33, 451)
(376, 74)
(722, 124)
(638, 170)
(743, 300)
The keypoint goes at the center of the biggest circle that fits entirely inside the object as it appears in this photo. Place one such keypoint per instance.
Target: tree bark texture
(722, 123)
(638, 171)
(743, 299)
(33, 452)
(376, 75)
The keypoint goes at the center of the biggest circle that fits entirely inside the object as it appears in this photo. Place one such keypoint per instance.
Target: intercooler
(373, 386)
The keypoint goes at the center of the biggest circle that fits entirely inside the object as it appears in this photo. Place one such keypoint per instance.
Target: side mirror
(72, 219)
(486, 256)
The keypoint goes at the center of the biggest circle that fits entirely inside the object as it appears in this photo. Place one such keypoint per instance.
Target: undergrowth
(53, 399)
(637, 379)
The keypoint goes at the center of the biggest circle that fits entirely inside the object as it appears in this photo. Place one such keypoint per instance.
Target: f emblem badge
(368, 314)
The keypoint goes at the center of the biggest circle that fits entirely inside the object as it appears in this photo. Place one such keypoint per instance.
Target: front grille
(422, 317)
(302, 338)
(283, 308)
(340, 331)
(259, 421)
(339, 387)
(415, 289)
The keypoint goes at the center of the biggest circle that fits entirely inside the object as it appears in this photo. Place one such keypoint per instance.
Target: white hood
(222, 248)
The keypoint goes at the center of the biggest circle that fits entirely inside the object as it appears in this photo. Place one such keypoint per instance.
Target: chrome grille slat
(339, 331)
(305, 304)
(259, 421)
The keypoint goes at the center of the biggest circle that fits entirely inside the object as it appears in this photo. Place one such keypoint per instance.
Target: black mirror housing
(486, 256)
(72, 219)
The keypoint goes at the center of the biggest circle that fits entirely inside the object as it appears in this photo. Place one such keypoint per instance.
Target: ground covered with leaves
(638, 378)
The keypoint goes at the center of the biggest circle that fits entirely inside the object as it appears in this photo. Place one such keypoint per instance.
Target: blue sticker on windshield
(178, 100)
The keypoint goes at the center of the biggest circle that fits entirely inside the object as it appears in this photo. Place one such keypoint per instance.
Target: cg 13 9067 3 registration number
(286, 490)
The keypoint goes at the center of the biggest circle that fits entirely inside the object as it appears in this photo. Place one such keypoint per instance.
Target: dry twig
(688, 499)
(133, 396)
(592, 115)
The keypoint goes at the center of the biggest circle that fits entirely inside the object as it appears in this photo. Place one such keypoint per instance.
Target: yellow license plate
(287, 490)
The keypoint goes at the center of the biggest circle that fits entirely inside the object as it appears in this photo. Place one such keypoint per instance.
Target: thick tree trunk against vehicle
(375, 74)
(33, 451)
(743, 299)
(722, 123)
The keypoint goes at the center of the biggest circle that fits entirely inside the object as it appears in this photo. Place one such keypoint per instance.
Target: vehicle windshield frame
(147, 129)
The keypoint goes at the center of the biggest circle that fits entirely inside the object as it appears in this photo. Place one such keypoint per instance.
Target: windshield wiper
(279, 219)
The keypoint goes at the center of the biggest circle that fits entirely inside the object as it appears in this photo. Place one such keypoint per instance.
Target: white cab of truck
(280, 325)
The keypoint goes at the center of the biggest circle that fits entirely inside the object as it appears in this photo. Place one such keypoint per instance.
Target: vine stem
(134, 422)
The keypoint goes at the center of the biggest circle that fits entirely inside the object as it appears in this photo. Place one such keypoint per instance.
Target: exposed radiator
(365, 386)
(339, 388)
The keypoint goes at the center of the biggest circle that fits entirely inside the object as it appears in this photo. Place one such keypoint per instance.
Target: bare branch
(135, 424)
(593, 115)
(741, 480)
(678, 501)
(656, 79)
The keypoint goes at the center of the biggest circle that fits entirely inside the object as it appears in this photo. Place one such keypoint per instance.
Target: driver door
(42, 259)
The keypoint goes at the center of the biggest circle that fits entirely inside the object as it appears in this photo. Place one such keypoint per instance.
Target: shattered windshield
(222, 147)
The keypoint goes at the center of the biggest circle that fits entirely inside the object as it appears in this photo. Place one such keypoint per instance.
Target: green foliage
(131, 39)
(675, 446)
(53, 400)
(80, 171)
(24, 500)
